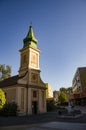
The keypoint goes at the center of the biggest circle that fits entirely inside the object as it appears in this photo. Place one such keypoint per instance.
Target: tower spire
(30, 38)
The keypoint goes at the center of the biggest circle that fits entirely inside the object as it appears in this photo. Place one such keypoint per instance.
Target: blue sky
(59, 26)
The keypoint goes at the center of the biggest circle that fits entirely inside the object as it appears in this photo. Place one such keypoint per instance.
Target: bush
(2, 98)
(51, 106)
(9, 109)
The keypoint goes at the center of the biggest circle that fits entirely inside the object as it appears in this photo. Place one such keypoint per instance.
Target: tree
(63, 98)
(5, 71)
(63, 89)
(69, 90)
(2, 98)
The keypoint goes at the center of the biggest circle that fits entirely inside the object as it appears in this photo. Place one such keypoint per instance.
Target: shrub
(2, 98)
(51, 106)
(9, 109)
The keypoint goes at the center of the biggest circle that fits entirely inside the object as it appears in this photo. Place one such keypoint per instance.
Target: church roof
(30, 38)
(9, 81)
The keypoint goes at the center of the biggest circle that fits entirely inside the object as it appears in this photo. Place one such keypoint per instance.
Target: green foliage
(69, 90)
(66, 90)
(63, 89)
(9, 109)
(63, 98)
(2, 98)
(51, 106)
(5, 71)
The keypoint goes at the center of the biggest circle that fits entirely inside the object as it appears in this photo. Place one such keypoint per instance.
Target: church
(27, 89)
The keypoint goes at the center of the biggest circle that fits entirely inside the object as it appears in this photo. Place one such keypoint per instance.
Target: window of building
(34, 94)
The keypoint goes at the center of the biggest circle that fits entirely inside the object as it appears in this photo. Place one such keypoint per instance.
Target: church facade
(27, 89)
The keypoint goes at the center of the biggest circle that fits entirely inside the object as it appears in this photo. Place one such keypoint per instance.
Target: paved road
(36, 119)
(60, 126)
(47, 121)
(49, 126)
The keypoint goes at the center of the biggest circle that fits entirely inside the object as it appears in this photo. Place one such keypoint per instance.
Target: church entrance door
(34, 107)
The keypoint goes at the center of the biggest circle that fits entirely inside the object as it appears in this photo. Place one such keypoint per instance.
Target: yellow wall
(49, 91)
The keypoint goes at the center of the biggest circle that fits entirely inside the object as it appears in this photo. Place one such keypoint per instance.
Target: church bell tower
(29, 54)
